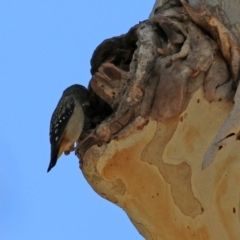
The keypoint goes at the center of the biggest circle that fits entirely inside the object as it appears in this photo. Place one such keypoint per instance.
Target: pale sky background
(46, 46)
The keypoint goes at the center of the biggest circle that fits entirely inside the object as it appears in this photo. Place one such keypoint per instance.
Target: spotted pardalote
(67, 121)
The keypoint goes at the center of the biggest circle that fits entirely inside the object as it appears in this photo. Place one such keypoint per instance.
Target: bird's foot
(71, 149)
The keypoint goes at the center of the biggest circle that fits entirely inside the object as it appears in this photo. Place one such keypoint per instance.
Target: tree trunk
(169, 155)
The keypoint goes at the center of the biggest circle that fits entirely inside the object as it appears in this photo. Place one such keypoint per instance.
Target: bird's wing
(59, 121)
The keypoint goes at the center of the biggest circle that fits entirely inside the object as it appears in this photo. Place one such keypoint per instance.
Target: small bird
(67, 121)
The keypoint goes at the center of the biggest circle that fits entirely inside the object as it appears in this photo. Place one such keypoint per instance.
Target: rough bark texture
(172, 82)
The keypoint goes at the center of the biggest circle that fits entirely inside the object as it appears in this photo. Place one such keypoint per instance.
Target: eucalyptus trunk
(168, 155)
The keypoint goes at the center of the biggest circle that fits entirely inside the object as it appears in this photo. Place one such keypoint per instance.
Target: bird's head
(79, 92)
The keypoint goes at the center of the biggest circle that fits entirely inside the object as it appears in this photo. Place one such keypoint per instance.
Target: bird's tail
(55, 154)
(53, 160)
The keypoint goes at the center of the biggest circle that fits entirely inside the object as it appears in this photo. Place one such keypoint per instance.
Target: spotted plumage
(67, 121)
(60, 119)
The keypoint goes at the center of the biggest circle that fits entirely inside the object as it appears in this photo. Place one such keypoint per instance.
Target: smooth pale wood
(155, 175)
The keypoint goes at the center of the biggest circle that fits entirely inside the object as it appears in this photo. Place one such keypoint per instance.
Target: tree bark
(169, 155)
